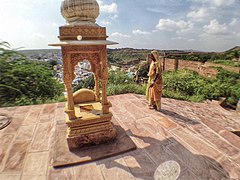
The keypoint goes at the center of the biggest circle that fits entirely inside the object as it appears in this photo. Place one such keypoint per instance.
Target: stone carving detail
(91, 53)
(81, 49)
(92, 139)
(86, 33)
(68, 76)
(91, 57)
(86, 130)
(85, 126)
(80, 12)
(83, 31)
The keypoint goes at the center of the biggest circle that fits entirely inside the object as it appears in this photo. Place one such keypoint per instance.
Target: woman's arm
(157, 75)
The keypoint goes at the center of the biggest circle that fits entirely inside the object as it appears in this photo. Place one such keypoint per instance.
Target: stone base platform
(95, 134)
(92, 127)
(62, 156)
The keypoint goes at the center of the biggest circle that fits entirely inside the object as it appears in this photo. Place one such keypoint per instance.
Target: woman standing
(154, 87)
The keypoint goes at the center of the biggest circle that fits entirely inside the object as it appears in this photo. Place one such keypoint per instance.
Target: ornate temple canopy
(88, 115)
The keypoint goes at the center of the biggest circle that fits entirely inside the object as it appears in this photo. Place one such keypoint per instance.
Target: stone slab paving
(195, 135)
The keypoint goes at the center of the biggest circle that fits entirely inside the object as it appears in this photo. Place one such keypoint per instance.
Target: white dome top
(80, 12)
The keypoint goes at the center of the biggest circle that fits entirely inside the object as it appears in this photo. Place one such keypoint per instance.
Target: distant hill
(39, 51)
(132, 56)
(121, 50)
(236, 48)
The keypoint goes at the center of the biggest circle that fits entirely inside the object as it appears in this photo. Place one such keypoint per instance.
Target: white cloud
(108, 8)
(199, 14)
(222, 2)
(37, 36)
(183, 39)
(234, 22)
(105, 22)
(234, 27)
(10, 28)
(178, 38)
(155, 10)
(139, 32)
(191, 40)
(115, 16)
(55, 24)
(215, 28)
(236, 33)
(171, 25)
(120, 35)
(216, 2)
(108, 20)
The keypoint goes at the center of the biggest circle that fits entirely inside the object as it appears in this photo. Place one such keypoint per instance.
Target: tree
(143, 69)
(25, 82)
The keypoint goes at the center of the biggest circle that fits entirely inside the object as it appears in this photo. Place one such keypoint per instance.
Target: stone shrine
(88, 116)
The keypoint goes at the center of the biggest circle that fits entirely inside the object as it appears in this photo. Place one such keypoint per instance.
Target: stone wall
(205, 69)
(229, 68)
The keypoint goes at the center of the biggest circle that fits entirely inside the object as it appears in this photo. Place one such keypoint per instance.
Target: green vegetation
(229, 58)
(121, 83)
(188, 85)
(126, 88)
(85, 83)
(118, 83)
(126, 56)
(39, 51)
(24, 82)
(182, 84)
(143, 69)
(227, 62)
(129, 56)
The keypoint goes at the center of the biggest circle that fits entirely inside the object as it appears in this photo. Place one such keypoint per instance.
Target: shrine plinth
(88, 116)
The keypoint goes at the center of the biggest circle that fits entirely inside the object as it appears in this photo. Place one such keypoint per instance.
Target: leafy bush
(184, 81)
(114, 89)
(119, 77)
(182, 84)
(85, 83)
(25, 82)
(143, 69)
(118, 83)
(188, 85)
(228, 58)
(227, 62)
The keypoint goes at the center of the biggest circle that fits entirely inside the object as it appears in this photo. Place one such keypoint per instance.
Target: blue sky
(206, 25)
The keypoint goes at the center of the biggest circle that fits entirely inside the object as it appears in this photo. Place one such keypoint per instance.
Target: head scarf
(158, 61)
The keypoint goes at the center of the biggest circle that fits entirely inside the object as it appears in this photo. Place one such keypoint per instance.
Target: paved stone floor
(195, 135)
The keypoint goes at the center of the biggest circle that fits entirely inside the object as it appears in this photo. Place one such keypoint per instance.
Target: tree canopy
(23, 81)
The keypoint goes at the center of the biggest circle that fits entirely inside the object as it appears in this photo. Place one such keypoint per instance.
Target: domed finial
(80, 12)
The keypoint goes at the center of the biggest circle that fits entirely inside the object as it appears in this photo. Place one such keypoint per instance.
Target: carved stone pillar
(68, 76)
(97, 90)
(104, 80)
(88, 116)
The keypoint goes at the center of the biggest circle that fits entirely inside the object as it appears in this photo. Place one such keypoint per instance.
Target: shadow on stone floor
(177, 117)
(63, 157)
(143, 162)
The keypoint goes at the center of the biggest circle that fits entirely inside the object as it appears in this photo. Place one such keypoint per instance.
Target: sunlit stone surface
(168, 170)
(80, 12)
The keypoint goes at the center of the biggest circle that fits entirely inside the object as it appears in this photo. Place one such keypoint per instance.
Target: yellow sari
(154, 93)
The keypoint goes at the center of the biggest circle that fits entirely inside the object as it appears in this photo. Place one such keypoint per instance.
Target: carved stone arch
(78, 57)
